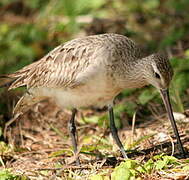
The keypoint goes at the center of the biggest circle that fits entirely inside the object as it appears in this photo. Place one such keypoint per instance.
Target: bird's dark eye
(157, 75)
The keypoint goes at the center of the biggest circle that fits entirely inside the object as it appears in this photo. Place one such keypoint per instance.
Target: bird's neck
(134, 75)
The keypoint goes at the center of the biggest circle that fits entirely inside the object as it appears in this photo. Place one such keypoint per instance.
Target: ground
(40, 148)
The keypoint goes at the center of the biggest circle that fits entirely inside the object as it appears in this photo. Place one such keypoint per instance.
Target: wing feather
(70, 64)
(59, 68)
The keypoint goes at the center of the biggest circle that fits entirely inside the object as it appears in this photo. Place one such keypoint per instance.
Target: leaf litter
(39, 147)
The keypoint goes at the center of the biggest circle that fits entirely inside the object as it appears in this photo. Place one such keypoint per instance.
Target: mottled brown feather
(61, 67)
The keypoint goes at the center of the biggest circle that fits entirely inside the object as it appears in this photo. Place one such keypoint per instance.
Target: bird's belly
(79, 97)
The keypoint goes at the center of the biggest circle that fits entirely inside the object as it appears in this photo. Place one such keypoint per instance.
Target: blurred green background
(31, 28)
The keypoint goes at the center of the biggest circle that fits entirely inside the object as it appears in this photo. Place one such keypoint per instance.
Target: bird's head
(158, 71)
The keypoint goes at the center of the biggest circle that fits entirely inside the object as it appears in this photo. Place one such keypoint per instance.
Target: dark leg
(114, 132)
(72, 131)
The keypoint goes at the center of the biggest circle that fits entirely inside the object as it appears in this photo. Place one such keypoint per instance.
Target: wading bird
(92, 71)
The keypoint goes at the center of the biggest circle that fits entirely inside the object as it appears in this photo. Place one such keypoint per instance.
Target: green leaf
(5, 174)
(121, 173)
(128, 92)
(84, 6)
(187, 53)
(92, 119)
(160, 164)
(130, 164)
(147, 95)
(170, 159)
(149, 165)
(67, 152)
(126, 170)
(151, 4)
(186, 160)
(186, 168)
(165, 161)
(1, 131)
(130, 108)
(96, 177)
(5, 149)
(103, 121)
(172, 37)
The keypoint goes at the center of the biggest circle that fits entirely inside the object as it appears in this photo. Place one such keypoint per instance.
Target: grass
(7, 174)
(133, 169)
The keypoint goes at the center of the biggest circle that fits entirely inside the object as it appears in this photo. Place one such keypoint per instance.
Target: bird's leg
(114, 132)
(72, 131)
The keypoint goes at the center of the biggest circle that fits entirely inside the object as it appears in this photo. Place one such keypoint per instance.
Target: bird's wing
(64, 67)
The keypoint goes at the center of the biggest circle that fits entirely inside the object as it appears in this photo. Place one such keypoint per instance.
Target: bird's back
(79, 62)
(61, 66)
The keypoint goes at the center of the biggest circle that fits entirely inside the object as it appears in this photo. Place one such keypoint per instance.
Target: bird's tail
(15, 80)
(6, 81)
(26, 102)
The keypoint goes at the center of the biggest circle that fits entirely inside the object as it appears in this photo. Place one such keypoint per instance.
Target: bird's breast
(93, 93)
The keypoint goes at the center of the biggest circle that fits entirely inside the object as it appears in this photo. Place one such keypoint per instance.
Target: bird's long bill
(166, 100)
